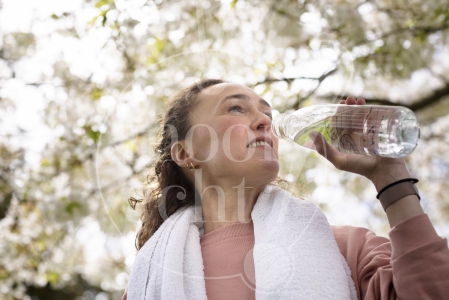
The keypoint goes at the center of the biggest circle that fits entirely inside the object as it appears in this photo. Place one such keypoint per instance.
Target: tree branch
(414, 30)
(320, 79)
(416, 106)
(131, 137)
(116, 182)
(288, 79)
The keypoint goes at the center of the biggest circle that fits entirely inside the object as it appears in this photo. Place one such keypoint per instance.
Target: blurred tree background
(83, 84)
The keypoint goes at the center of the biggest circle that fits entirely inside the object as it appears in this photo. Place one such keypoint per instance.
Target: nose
(262, 122)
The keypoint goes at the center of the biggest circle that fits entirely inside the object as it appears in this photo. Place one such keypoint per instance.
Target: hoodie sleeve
(413, 264)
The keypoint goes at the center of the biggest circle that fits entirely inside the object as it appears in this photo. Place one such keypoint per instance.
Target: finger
(361, 101)
(326, 150)
(342, 101)
(351, 101)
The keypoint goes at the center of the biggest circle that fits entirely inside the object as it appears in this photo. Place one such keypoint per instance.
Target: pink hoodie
(413, 265)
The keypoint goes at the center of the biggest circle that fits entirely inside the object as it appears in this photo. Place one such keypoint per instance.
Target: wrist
(404, 209)
(397, 190)
(387, 174)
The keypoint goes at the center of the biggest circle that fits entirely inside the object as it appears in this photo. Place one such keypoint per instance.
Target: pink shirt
(413, 265)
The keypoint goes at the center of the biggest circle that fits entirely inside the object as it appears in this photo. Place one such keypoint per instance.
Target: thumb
(326, 150)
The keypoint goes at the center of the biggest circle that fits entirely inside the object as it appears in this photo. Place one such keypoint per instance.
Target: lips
(261, 141)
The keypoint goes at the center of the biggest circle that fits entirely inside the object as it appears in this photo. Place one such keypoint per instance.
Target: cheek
(201, 144)
(234, 132)
(234, 140)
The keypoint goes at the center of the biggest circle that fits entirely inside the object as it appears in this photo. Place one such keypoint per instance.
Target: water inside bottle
(367, 131)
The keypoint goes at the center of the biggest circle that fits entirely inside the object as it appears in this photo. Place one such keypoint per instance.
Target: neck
(226, 203)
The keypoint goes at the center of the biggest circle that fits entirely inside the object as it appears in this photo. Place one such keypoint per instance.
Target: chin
(274, 173)
(266, 172)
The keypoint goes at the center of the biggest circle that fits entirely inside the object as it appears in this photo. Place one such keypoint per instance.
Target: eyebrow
(244, 97)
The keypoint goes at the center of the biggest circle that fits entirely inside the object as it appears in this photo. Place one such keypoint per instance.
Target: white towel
(295, 255)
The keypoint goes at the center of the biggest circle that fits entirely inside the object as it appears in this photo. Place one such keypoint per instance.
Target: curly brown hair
(168, 182)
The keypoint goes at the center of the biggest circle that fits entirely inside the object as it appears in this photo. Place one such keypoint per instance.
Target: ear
(179, 154)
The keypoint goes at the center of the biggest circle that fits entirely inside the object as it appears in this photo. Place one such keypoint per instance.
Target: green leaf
(45, 163)
(97, 93)
(70, 206)
(158, 46)
(103, 22)
(92, 22)
(52, 277)
(92, 134)
(420, 36)
(233, 3)
(100, 3)
(378, 50)
(101, 15)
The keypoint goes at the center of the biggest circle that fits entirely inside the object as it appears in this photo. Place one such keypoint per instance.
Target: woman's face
(231, 135)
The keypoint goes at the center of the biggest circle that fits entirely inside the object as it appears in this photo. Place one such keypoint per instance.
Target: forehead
(211, 96)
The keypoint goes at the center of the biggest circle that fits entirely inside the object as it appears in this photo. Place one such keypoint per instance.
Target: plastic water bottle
(389, 131)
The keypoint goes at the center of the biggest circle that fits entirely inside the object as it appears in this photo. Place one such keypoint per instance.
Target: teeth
(258, 143)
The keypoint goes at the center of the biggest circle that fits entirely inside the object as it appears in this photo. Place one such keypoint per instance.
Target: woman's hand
(380, 170)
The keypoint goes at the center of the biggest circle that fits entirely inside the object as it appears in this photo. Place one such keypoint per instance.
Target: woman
(215, 227)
